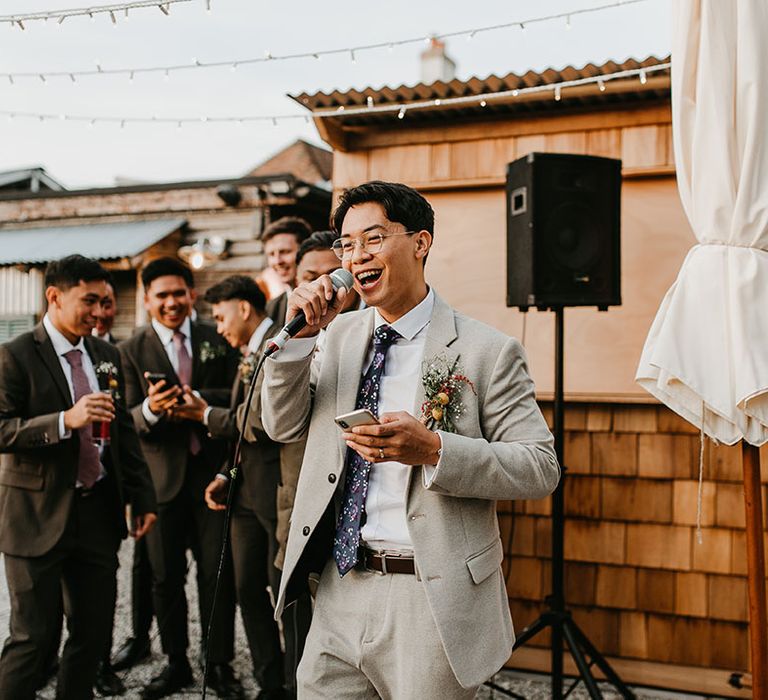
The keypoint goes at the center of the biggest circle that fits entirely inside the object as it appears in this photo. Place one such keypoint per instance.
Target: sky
(81, 154)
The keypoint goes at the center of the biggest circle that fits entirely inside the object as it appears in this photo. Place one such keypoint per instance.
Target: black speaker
(563, 231)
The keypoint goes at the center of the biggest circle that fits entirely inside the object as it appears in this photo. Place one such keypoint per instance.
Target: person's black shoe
(175, 676)
(222, 680)
(132, 652)
(107, 681)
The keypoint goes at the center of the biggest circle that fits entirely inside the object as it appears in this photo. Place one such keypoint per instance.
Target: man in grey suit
(63, 497)
(401, 518)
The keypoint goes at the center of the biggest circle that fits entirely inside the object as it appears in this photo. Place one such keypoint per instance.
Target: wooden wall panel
(349, 169)
(633, 565)
(644, 146)
(400, 164)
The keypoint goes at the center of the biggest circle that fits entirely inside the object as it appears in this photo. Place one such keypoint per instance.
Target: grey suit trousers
(373, 636)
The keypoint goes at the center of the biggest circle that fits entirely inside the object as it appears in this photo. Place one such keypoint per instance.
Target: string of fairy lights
(397, 109)
(400, 110)
(268, 56)
(121, 10)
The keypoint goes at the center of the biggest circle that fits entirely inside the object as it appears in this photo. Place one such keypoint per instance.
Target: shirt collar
(166, 334)
(258, 335)
(410, 324)
(60, 344)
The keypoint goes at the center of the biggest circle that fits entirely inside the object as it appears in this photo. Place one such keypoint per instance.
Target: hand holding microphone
(312, 306)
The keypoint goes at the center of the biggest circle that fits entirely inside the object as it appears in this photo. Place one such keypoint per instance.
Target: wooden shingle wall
(637, 580)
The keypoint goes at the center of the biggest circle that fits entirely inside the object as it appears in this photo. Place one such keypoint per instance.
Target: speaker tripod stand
(558, 618)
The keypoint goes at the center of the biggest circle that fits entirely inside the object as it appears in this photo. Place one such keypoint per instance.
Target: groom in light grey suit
(400, 516)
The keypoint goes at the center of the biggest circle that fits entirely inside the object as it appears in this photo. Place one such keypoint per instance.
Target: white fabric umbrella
(706, 355)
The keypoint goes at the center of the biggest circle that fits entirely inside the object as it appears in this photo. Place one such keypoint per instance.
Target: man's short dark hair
(294, 225)
(68, 272)
(164, 267)
(401, 204)
(237, 287)
(319, 240)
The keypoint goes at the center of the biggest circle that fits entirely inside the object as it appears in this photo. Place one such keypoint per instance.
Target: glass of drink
(100, 428)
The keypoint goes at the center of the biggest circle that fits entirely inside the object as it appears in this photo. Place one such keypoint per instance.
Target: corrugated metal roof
(619, 91)
(99, 241)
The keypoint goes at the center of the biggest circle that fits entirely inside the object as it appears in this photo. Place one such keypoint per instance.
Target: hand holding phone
(161, 396)
(362, 416)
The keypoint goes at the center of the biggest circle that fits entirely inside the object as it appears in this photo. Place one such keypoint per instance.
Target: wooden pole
(758, 620)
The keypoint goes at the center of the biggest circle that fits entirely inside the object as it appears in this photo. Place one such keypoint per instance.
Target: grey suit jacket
(166, 444)
(38, 470)
(502, 449)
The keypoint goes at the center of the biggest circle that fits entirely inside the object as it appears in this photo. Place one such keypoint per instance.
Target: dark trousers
(253, 554)
(142, 609)
(187, 521)
(297, 618)
(82, 566)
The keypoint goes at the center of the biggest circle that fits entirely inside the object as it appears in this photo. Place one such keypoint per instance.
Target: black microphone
(339, 278)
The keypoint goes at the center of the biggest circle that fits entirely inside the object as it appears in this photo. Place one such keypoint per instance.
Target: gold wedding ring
(381, 453)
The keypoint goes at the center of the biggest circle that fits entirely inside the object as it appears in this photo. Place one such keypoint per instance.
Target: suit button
(332, 478)
(305, 531)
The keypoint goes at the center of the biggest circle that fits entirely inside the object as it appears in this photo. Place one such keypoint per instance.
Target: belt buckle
(383, 555)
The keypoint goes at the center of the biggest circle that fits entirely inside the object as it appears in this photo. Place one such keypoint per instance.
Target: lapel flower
(106, 375)
(246, 367)
(443, 384)
(208, 351)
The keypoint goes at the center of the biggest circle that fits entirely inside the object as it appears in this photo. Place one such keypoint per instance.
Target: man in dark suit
(107, 681)
(238, 308)
(182, 459)
(63, 497)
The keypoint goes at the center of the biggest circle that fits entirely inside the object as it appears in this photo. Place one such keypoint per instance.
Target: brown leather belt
(386, 563)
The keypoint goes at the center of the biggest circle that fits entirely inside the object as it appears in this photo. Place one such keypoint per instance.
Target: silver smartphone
(362, 416)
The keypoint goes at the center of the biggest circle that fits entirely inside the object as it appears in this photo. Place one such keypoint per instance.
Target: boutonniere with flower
(209, 351)
(106, 375)
(246, 367)
(443, 385)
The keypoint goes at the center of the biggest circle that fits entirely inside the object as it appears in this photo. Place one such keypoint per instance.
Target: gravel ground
(528, 686)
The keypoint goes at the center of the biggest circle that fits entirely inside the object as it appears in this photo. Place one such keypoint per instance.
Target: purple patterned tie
(184, 372)
(88, 462)
(347, 538)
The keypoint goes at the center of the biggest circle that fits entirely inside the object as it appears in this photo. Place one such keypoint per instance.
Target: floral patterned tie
(347, 538)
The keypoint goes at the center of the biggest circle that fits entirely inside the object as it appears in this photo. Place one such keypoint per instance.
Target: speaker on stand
(563, 249)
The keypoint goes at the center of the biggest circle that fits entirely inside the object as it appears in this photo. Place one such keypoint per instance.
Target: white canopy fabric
(706, 355)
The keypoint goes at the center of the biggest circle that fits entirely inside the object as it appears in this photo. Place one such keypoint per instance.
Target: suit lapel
(440, 334)
(52, 363)
(195, 340)
(353, 351)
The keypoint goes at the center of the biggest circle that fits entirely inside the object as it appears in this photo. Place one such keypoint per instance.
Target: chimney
(435, 64)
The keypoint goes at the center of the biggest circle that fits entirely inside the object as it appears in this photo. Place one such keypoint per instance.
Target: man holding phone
(183, 459)
(400, 518)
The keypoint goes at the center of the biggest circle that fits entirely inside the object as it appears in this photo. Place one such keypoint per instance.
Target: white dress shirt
(386, 525)
(165, 335)
(62, 346)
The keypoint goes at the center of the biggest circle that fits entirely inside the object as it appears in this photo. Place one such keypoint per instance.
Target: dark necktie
(347, 538)
(184, 372)
(88, 462)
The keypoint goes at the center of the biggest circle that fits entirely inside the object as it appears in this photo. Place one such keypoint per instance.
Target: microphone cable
(233, 473)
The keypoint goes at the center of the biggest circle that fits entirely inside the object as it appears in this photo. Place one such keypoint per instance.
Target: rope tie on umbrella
(699, 507)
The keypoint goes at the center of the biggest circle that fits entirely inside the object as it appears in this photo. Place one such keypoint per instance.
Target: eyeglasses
(372, 243)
